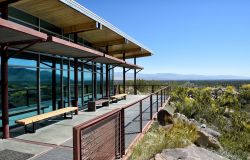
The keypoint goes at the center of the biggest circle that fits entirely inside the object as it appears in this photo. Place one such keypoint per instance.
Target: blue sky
(209, 37)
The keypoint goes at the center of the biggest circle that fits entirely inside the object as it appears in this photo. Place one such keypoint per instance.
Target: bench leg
(76, 112)
(91, 106)
(71, 113)
(106, 103)
(125, 97)
(25, 129)
(33, 128)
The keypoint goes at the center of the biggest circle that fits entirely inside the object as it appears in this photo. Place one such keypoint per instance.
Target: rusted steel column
(61, 105)
(54, 84)
(82, 84)
(122, 132)
(135, 85)
(75, 82)
(124, 76)
(151, 106)
(69, 94)
(107, 81)
(4, 90)
(38, 84)
(141, 116)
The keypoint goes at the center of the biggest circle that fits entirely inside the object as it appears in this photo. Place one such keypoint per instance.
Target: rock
(167, 127)
(203, 126)
(207, 140)
(211, 132)
(164, 118)
(191, 152)
(158, 157)
(194, 122)
(181, 117)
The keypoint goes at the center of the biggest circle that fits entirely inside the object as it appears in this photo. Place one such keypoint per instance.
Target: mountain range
(173, 76)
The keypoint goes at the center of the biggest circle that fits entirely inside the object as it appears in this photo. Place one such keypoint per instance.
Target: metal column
(62, 86)
(107, 77)
(135, 85)
(75, 82)
(4, 80)
(4, 90)
(124, 76)
(107, 81)
(38, 84)
(82, 84)
(54, 84)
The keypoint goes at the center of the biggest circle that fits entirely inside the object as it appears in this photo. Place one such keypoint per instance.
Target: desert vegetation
(225, 109)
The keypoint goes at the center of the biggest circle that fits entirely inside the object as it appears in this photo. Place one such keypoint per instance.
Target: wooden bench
(92, 104)
(117, 97)
(34, 119)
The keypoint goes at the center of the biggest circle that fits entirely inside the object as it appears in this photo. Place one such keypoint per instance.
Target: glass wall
(23, 84)
(22, 87)
(88, 82)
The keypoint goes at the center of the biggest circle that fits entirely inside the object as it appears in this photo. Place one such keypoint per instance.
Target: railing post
(141, 116)
(153, 88)
(151, 107)
(122, 132)
(157, 104)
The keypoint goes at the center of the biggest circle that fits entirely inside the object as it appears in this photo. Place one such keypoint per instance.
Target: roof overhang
(18, 36)
(74, 18)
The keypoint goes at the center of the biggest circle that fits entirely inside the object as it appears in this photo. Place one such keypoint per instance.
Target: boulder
(191, 152)
(211, 132)
(181, 117)
(194, 122)
(207, 140)
(164, 118)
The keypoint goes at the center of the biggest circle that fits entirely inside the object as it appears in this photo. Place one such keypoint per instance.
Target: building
(56, 53)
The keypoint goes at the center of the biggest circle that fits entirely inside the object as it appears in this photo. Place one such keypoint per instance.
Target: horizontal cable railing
(110, 135)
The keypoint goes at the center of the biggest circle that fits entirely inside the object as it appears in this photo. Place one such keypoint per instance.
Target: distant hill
(173, 76)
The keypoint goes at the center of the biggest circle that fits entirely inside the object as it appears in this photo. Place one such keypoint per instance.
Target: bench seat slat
(40, 117)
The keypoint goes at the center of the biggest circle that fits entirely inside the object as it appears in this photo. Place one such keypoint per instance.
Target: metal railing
(110, 135)
(142, 88)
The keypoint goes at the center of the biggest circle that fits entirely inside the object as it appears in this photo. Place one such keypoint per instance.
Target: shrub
(180, 135)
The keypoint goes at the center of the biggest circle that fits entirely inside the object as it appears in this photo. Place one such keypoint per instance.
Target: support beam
(38, 84)
(27, 46)
(83, 27)
(69, 94)
(54, 84)
(4, 80)
(75, 82)
(94, 82)
(82, 84)
(120, 52)
(135, 85)
(107, 81)
(124, 76)
(110, 43)
(4, 91)
(101, 79)
(62, 86)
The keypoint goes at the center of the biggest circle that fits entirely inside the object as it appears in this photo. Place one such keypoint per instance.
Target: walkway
(53, 141)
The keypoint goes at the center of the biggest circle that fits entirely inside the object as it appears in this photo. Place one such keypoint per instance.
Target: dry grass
(158, 138)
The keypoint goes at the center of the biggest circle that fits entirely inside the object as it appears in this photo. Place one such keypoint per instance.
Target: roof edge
(78, 7)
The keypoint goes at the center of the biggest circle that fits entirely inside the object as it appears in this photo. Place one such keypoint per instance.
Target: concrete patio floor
(54, 141)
